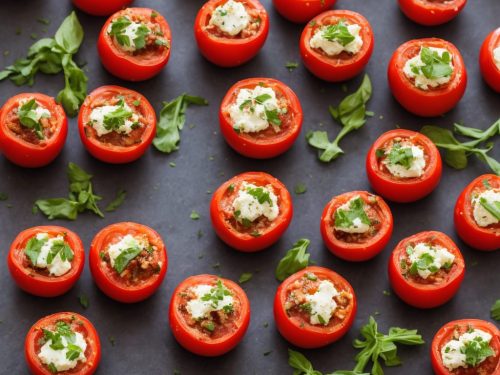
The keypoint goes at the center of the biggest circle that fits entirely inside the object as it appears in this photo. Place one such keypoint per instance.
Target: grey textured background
(163, 197)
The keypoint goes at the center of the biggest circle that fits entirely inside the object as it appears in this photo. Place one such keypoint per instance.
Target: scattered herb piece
(84, 300)
(117, 202)
(291, 65)
(194, 215)
(245, 277)
(172, 164)
(295, 259)
(386, 293)
(300, 188)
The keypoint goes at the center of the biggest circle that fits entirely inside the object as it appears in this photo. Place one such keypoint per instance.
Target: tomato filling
(317, 300)
(485, 205)
(213, 310)
(233, 20)
(119, 120)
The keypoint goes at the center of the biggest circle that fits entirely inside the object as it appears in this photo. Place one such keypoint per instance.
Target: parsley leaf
(295, 259)
(62, 248)
(262, 195)
(115, 119)
(401, 155)
(476, 351)
(117, 202)
(33, 248)
(345, 218)
(217, 294)
(338, 32)
(122, 260)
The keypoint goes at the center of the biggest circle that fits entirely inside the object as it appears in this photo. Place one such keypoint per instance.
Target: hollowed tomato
(99, 7)
(490, 68)
(301, 11)
(431, 12)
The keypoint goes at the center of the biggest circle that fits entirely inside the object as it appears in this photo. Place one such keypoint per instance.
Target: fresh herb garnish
(401, 156)
(194, 215)
(295, 259)
(62, 248)
(84, 300)
(291, 65)
(435, 65)
(217, 293)
(300, 188)
(28, 117)
(338, 32)
(476, 351)
(122, 260)
(33, 248)
(302, 366)
(245, 277)
(117, 202)
(492, 208)
(262, 195)
(495, 310)
(345, 218)
(115, 119)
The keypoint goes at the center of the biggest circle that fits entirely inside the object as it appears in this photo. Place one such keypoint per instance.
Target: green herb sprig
(295, 259)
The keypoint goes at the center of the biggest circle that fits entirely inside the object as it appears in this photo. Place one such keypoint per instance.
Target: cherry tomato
(262, 232)
(78, 324)
(116, 147)
(142, 276)
(143, 63)
(490, 68)
(221, 336)
(431, 12)
(480, 238)
(456, 328)
(436, 289)
(24, 145)
(403, 189)
(223, 49)
(273, 140)
(294, 323)
(99, 7)
(301, 11)
(357, 247)
(434, 101)
(38, 281)
(345, 65)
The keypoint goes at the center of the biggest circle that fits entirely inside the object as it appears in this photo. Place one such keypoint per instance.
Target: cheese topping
(57, 266)
(486, 207)
(322, 303)
(58, 358)
(207, 300)
(454, 353)
(405, 160)
(126, 242)
(429, 259)
(231, 17)
(255, 201)
(335, 39)
(427, 74)
(101, 119)
(351, 217)
(496, 57)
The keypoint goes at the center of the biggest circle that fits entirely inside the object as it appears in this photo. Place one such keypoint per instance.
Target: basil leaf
(328, 151)
(33, 248)
(122, 260)
(28, 117)
(338, 32)
(69, 36)
(295, 259)
(58, 208)
(117, 202)
(345, 218)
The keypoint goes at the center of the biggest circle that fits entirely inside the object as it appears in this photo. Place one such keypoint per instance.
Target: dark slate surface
(163, 197)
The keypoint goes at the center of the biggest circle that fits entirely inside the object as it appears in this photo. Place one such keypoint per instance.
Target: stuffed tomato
(356, 226)
(116, 125)
(251, 211)
(128, 261)
(489, 59)
(33, 129)
(427, 76)
(431, 12)
(229, 32)
(301, 11)
(260, 117)
(209, 315)
(314, 307)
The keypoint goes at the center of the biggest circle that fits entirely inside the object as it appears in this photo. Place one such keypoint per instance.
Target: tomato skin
(100, 8)
(226, 52)
(123, 293)
(242, 241)
(332, 69)
(109, 153)
(41, 285)
(247, 146)
(26, 154)
(301, 11)
(473, 235)
(122, 64)
(444, 334)
(432, 102)
(431, 14)
(490, 72)
(426, 296)
(355, 252)
(309, 336)
(196, 344)
(92, 339)
(404, 190)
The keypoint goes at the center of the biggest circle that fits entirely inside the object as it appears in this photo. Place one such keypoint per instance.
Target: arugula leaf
(345, 218)
(338, 32)
(33, 248)
(117, 202)
(300, 364)
(495, 310)
(295, 259)
(122, 260)
(245, 277)
(172, 120)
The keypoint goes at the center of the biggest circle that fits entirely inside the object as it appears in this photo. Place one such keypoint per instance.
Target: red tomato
(435, 101)
(190, 333)
(399, 189)
(223, 49)
(134, 283)
(489, 69)
(269, 142)
(78, 323)
(143, 63)
(294, 323)
(490, 366)
(99, 7)
(431, 12)
(438, 288)
(259, 234)
(480, 238)
(357, 247)
(301, 11)
(114, 147)
(345, 65)
(20, 144)
(38, 281)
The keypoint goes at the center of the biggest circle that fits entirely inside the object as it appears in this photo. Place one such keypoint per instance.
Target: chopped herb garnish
(291, 65)
(84, 300)
(338, 32)
(194, 215)
(300, 188)
(117, 202)
(122, 260)
(245, 277)
(345, 218)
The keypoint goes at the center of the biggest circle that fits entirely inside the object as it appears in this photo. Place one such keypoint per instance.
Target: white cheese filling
(57, 267)
(58, 358)
(496, 57)
(482, 216)
(231, 17)
(334, 47)
(358, 226)
(441, 258)
(452, 353)
(417, 165)
(248, 113)
(126, 242)
(200, 309)
(97, 120)
(247, 206)
(322, 303)
(421, 81)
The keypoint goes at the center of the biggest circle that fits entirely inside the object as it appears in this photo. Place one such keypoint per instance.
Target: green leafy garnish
(118, 28)
(495, 310)
(400, 156)
(28, 118)
(300, 188)
(262, 195)
(117, 202)
(435, 66)
(302, 366)
(295, 259)
(351, 114)
(476, 351)
(245, 277)
(492, 208)
(345, 218)
(273, 117)
(52, 368)
(338, 32)
(115, 119)
(122, 260)
(291, 65)
(84, 300)
(217, 294)
(62, 248)
(194, 215)
(33, 248)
